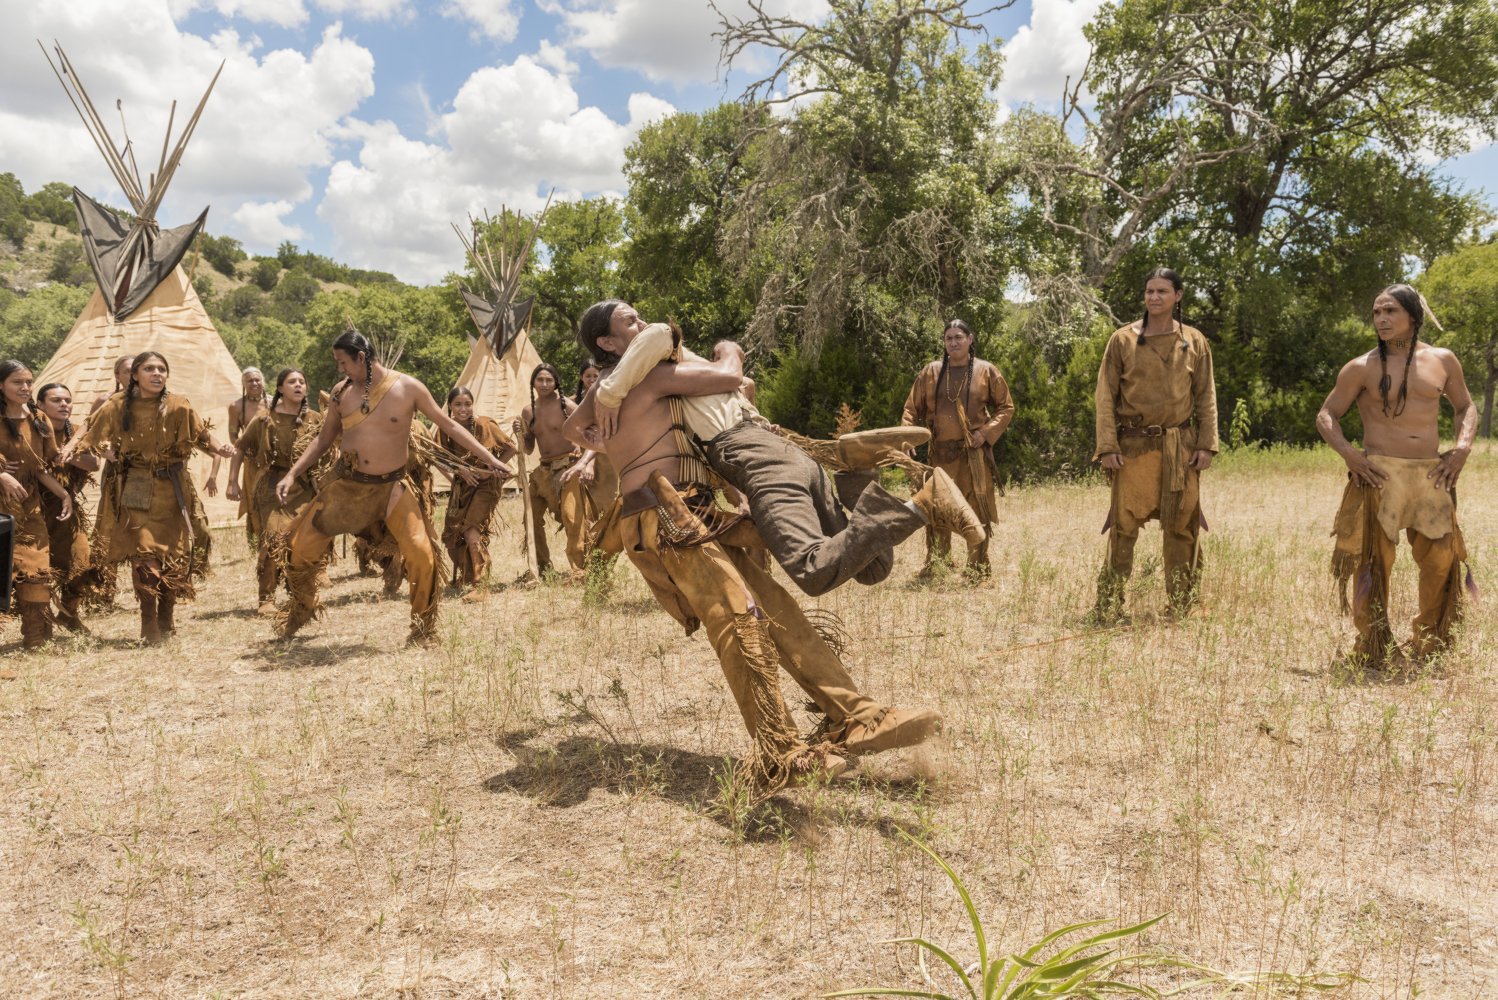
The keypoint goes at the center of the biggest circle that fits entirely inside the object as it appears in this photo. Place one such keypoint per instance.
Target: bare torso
(382, 439)
(1415, 431)
(643, 443)
(550, 414)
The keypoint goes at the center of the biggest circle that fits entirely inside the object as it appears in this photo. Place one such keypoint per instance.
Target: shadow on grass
(563, 775)
(297, 653)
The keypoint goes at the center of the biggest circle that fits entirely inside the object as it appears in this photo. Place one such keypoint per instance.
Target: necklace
(1399, 345)
(950, 392)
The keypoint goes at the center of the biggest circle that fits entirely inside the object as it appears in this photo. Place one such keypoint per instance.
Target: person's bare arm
(1464, 419)
(332, 427)
(455, 431)
(581, 425)
(698, 378)
(1329, 424)
(649, 348)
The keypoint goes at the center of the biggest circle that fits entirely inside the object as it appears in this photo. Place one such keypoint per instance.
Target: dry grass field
(541, 807)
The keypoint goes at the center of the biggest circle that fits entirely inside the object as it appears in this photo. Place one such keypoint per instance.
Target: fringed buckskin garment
(698, 559)
(1156, 406)
(473, 506)
(987, 409)
(73, 576)
(582, 506)
(822, 538)
(274, 442)
(1367, 532)
(545, 495)
(158, 520)
(32, 452)
(352, 502)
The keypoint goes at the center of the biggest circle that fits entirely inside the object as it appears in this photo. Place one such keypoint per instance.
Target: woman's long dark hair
(38, 419)
(130, 389)
(1409, 300)
(353, 343)
(1175, 282)
(581, 387)
(41, 397)
(286, 373)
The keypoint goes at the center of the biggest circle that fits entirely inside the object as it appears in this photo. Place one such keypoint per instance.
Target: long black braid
(41, 397)
(34, 416)
(556, 380)
(967, 378)
(1175, 282)
(1409, 300)
(353, 343)
(130, 390)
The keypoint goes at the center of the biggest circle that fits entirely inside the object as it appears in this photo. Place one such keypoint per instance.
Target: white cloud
(666, 40)
(496, 19)
(1043, 53)
(369, 10)
(261, 223)
(514, 132)
(270, 121)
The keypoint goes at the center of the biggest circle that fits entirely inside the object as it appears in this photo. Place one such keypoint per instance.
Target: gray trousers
(805, 527)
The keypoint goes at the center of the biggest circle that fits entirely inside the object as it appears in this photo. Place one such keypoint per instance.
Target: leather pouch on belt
(138, 488)
(679, 526)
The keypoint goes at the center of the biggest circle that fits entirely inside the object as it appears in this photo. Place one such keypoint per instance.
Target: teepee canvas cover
(143, 300)
(171, 320)
(500, 364)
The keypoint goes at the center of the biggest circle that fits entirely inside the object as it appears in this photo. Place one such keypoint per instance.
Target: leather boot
(947, 509)
(150, 628)
(67, 612)
(880, 446)
(166, 605)
(36, 623)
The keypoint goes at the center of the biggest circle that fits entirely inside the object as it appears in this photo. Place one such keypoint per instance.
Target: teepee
(142, 300)
(499, 367)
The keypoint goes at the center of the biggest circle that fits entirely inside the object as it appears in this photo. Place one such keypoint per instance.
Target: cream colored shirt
(706, 416)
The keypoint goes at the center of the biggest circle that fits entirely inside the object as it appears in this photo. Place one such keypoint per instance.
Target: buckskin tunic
(1156, 406)
(985, 401)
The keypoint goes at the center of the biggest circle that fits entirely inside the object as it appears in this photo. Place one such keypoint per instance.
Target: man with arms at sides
(250, 404)
(588, 488)
(820, 537)
(372, 409)
(1156, 435)
(1400, 479)
(965, 403)
(539, 427)
(691, 554)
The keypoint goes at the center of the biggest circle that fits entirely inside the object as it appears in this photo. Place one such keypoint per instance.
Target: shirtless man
(820, 538)
(1400, 479)
(371, 409)
(539, 427)
(250, 404)
(668, 523)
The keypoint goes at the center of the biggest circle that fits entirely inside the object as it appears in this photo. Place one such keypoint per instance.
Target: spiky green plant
(1084, 970)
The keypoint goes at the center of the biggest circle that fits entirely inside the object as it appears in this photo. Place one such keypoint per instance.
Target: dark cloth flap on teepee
(500, 325)
(129, 260)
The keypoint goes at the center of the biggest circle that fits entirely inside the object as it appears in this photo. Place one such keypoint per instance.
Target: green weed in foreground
(1085, 969)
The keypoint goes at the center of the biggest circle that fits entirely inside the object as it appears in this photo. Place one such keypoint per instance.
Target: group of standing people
(662, 455)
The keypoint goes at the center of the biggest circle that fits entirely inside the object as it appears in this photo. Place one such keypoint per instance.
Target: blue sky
(361, 128)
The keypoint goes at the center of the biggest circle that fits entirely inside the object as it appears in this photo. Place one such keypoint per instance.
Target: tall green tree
(1462, 288)
(877, 207)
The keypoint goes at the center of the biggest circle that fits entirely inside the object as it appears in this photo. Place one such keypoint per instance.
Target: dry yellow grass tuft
(541, 807)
